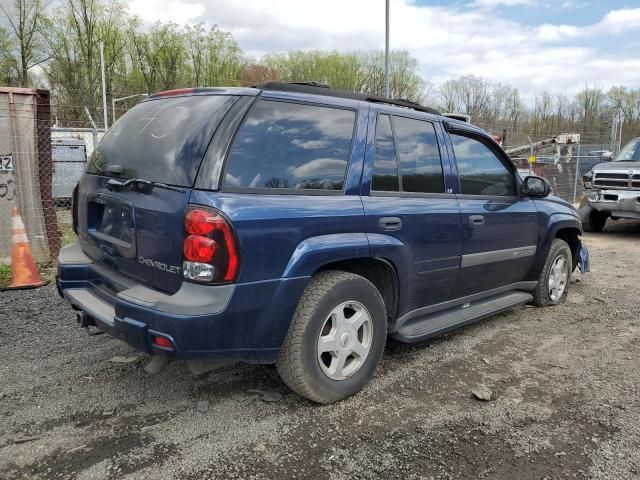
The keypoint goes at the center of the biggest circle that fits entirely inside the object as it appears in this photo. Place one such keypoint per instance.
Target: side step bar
(430, 325)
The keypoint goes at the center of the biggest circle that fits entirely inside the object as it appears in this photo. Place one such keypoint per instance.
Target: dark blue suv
(301, 225)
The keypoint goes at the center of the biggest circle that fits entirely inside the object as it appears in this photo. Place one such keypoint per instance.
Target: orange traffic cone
(24, 273)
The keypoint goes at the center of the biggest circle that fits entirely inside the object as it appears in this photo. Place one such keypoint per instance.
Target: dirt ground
(565, 382)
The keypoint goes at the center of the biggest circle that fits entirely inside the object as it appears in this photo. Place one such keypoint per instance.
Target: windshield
(630, 152)
(161, 140)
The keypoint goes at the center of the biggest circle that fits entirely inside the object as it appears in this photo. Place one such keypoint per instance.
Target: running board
(433, 324)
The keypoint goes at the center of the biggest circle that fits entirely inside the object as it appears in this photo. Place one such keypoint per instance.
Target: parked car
(298, 225)
(613, 189)
(605, 155)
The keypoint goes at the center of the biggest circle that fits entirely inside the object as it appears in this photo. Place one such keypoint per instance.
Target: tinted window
(288, 145)
(161, 140)
(630, 152)
(479, 170)
(385, 165)
(420, 165)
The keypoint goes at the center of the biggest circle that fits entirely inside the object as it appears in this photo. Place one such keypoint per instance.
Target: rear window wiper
(139, 185)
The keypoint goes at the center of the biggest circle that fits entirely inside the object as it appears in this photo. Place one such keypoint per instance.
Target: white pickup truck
(613, 189)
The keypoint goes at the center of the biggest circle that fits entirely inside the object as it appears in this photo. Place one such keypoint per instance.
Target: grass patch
(67, 235)
(5, 275)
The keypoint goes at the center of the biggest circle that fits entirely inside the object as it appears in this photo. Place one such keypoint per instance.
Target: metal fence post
(530, 155)
(575, 183)
(93, 127)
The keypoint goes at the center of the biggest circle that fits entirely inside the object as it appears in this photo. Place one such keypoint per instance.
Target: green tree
(361, 72)
(75, 31)
(24, 47)
(7, 72)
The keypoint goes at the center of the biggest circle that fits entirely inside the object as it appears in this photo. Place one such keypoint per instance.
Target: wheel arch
(380, 272)
(565, 227)
(571, 235)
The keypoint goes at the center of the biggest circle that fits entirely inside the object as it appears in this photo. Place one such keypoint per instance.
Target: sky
(556, 45)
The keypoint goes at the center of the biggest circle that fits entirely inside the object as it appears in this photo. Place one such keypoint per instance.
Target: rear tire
(336, 338)
(553, 283)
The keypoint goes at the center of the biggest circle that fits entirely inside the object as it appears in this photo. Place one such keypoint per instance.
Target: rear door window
(385, 164)
(411, 163)
(284, 145)
(419, 155)
(161, 140)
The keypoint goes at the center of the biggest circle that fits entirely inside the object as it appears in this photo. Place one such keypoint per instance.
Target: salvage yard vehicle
(613, 189)
(298, 225)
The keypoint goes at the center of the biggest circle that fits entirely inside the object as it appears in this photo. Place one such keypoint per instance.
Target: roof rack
(401, 102)
(323, 89)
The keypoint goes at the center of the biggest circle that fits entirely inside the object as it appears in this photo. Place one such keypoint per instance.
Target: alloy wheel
(345, 340)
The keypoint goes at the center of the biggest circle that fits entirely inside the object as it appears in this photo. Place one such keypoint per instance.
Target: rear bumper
(244, 322)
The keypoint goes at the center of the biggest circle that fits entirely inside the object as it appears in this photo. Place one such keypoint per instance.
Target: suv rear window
(284, 145)
(161, 140)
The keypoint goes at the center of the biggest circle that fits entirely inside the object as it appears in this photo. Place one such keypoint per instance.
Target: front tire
(553, 283)
(336, 338)
(592, 219)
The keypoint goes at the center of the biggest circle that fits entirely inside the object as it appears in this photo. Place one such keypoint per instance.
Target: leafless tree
(25, 22)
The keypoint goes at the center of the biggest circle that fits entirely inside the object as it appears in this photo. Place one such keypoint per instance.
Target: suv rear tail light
(177, 91)
(200, 222)
(199, 249)
(210, 248)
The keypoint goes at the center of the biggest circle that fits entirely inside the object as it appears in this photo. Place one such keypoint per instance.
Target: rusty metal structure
(26, 170)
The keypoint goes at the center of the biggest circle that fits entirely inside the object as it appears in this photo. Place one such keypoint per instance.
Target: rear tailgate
(139, 231)
(136, 234)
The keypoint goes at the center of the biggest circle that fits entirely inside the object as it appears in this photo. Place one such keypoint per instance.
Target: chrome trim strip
(474, 259)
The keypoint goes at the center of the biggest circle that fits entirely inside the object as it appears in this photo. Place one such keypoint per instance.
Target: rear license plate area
(110, 224)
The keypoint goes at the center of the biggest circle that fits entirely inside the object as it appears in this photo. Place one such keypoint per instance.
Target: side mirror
(536, 187)
(607, 156)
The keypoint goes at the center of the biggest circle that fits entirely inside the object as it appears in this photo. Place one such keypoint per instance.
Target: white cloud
(497, 3)
(310, 144)
(573, 4)
(167, 11)
(449, 41)
(618, 21)
(319, 166)
(613, 23)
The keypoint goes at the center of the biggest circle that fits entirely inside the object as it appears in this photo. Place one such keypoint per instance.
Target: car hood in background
(625, 166)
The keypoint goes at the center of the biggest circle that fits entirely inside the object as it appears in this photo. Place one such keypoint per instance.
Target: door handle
(476, 220)
(390, 223)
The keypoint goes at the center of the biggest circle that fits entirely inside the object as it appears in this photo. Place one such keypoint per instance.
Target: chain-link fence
(564, 166)
(565, 175)
(39, 166)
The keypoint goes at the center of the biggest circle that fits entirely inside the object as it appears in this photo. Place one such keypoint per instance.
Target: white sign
(6, 162)
(565, 138)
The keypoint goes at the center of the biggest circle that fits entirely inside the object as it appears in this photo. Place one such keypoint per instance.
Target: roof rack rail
(400, 102)
(310, 84)
(316, 88)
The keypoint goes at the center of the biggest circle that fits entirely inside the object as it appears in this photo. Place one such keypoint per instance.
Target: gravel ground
(565, 383)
